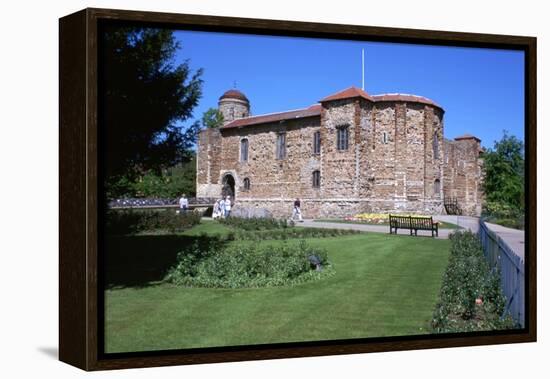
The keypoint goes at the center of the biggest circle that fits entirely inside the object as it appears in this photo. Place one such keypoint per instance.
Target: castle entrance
(228, 186)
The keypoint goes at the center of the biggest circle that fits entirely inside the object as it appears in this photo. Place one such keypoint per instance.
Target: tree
(146, 99)
(170, 184)
(212, 118)
(504, 173)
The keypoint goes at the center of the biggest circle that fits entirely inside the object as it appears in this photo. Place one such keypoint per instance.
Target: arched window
(244, 150)
(342, 137)
(437, 187)
(246, 184)
(316, 179)
(385, 137)
(436, 146)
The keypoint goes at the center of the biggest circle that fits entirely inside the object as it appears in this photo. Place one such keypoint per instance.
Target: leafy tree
(146, 99)
(504, 173)
(212, 118)
(169, 184)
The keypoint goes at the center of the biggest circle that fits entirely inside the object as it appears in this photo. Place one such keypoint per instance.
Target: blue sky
(481, 90)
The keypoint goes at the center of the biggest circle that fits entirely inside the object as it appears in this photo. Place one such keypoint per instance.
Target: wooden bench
(413, 224)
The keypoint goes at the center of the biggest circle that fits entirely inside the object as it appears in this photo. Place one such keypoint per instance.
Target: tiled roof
(405, 97)
(352, 92)
(348, 93)
(315, 110)
(467, 136)
(312, 111)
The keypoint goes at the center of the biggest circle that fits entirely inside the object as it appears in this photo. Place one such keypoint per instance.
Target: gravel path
(466, 222)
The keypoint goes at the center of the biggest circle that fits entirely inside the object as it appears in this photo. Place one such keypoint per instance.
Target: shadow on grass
(140, 261)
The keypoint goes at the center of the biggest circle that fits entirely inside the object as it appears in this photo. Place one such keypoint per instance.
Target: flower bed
(376, 218)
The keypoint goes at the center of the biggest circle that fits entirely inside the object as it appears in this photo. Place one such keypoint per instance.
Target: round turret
(233, 105)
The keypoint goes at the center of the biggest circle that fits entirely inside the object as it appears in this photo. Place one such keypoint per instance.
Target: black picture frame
(80, 290)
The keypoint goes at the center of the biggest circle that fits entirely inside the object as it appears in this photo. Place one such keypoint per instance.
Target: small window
(246, 184)
(281, 146)
(317, 143)
(385, 138)
(436, 146)
(244, 150)
(342, 138)
(437, 188)
(316, 179)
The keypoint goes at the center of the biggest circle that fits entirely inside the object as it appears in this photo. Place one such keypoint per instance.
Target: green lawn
(442, 224)
(384, 286)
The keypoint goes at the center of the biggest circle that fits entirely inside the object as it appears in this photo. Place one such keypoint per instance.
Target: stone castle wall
(463, 174)
(391, 165)
(272, 178)
(209, 163)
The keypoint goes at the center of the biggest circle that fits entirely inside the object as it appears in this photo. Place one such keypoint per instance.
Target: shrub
(247, 266)
(471, 298)
(503, 214)
(289, 233)
(254, 223)
(131, 221)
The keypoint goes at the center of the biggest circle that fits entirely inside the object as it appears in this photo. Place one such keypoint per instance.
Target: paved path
(514, 238)
(471, 223)
(466, 222)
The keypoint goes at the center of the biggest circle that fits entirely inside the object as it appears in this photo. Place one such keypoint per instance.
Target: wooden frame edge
(78, 186)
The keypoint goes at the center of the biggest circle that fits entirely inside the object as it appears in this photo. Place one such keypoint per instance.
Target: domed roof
(234, 94)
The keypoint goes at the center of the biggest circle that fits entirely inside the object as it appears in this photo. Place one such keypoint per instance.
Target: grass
(442, 224)
(384, 286)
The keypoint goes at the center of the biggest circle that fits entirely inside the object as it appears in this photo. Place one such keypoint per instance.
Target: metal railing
(512, 272)
(148, 203)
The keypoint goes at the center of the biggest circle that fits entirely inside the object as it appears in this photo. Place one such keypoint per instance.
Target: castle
(349, 153)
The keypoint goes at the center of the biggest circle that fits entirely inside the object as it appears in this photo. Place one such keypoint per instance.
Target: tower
(233, 104)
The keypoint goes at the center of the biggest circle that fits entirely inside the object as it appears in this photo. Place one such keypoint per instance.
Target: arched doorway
(228, 186)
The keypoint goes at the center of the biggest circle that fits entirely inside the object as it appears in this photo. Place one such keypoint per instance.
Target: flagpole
(363, 69)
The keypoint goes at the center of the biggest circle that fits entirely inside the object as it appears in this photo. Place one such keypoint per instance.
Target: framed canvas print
(238, 189)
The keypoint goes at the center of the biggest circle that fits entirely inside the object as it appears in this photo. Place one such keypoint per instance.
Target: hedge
(471, 297)
(131, 221)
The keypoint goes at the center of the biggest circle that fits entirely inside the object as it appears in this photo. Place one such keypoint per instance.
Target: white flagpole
(363, 69)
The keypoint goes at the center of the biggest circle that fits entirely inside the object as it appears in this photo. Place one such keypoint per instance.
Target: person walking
(227, 207)
(216, 211)
(184, 204)
(296, 211)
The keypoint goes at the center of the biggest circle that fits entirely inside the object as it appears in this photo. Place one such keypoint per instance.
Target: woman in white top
(184, 204)
(227, 206)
